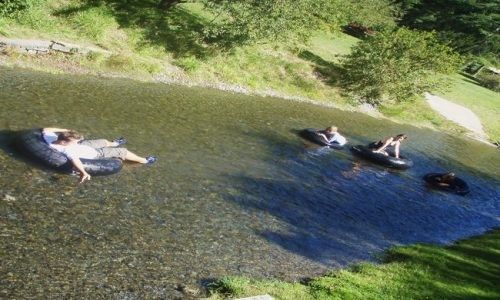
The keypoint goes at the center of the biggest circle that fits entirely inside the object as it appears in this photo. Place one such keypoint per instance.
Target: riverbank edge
(178, 77)
(378, 277)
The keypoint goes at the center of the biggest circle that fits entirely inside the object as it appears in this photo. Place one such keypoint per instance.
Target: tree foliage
(243, 21)
(9, 7)
(471, 26)
(395, 65)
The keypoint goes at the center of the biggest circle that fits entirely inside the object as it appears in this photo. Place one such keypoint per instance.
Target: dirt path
(458, 114)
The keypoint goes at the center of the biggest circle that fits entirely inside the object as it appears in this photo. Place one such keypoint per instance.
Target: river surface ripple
(235, 191)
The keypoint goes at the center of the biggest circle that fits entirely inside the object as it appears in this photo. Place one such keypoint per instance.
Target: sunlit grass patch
(466, 270)
(418, 112)
(230, 287)
(123, 62)
(482, 101)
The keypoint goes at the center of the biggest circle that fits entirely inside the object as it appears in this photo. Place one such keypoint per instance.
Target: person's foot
(120, 141)
(151, 159)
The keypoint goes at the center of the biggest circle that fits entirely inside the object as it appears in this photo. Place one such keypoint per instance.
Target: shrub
(9, 7)
(396, 65)
(189, 63)
(489, 80)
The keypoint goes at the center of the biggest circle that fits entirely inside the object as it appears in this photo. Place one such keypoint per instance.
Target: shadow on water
(338, 209)
(6, 141)
(8, 144)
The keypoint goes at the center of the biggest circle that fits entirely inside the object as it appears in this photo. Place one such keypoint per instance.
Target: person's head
(400, 137)
(449, 175)
(331, 129)
(68, 137)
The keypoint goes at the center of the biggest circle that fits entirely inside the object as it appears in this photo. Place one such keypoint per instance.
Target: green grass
(470, 269)
(483, 102)
(419, 113)
(331, 46)
(145, 41)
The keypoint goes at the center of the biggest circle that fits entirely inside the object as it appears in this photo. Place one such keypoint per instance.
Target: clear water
(235, 190)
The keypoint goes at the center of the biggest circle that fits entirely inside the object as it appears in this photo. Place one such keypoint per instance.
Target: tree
(470, 26)
(395, 65)
(242, 21)
(168, 4)
(9, 7)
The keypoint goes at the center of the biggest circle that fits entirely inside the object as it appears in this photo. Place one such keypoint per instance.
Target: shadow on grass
(328, 72)
(178, 30)
(455, 272)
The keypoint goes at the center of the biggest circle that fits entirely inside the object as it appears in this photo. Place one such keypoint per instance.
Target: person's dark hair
(399, 136)
(69, 135)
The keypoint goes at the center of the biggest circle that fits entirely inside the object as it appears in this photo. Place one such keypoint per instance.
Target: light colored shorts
(103, 150)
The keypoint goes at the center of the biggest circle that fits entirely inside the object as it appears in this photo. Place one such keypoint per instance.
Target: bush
(9, 7)
(489, 80)
(395, 66)
(189, 63)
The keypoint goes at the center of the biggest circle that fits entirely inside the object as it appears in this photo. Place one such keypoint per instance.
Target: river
(234, 192)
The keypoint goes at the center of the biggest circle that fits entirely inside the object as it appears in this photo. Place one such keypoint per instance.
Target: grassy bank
(147, 43)
(469, 269)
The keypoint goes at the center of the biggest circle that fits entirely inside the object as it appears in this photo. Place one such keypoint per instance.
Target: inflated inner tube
(32, 144)
(458, 186)
(382, 159)
(312, 135)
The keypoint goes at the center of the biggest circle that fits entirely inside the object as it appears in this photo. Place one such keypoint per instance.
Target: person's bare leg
(136, 158)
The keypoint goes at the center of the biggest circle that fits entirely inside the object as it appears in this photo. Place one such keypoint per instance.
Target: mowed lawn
(483, 102)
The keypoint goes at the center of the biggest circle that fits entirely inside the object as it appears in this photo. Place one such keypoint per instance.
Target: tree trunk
(168, 4)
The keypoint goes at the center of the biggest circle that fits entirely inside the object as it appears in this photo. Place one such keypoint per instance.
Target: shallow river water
(235, 191)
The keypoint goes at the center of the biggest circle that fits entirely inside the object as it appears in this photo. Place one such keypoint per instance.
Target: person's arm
(77, 163)
(53, 129)
(324, 137)
(396, 149)
(381, 148)
(338, 139)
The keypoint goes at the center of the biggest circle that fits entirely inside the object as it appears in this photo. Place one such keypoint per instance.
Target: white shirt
(71, 151)
(76, 151)
(337, 138)
(49, 137)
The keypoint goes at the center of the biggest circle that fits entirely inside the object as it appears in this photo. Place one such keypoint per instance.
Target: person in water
(72, 144)
(393, 141)
(445, 180)
(330, 135)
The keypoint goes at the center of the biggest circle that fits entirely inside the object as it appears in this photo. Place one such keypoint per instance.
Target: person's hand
(84, 176)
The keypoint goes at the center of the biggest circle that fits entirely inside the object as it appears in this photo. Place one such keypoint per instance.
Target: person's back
(338, 138)
(395, 142)
(67, 143)
(331, 135)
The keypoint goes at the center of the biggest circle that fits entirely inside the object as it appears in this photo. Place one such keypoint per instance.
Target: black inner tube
(382, 159)
(458, 186)
(311, 135)
(32, 144)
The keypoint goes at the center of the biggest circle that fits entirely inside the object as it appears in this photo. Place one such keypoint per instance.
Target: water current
(234, 192)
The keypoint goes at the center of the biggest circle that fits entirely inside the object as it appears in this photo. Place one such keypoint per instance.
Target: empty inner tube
(32, 144)
(458, 186)
(382, 159)
(312, 135)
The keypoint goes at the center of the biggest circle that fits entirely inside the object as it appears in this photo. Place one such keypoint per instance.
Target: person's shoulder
(49, 136)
